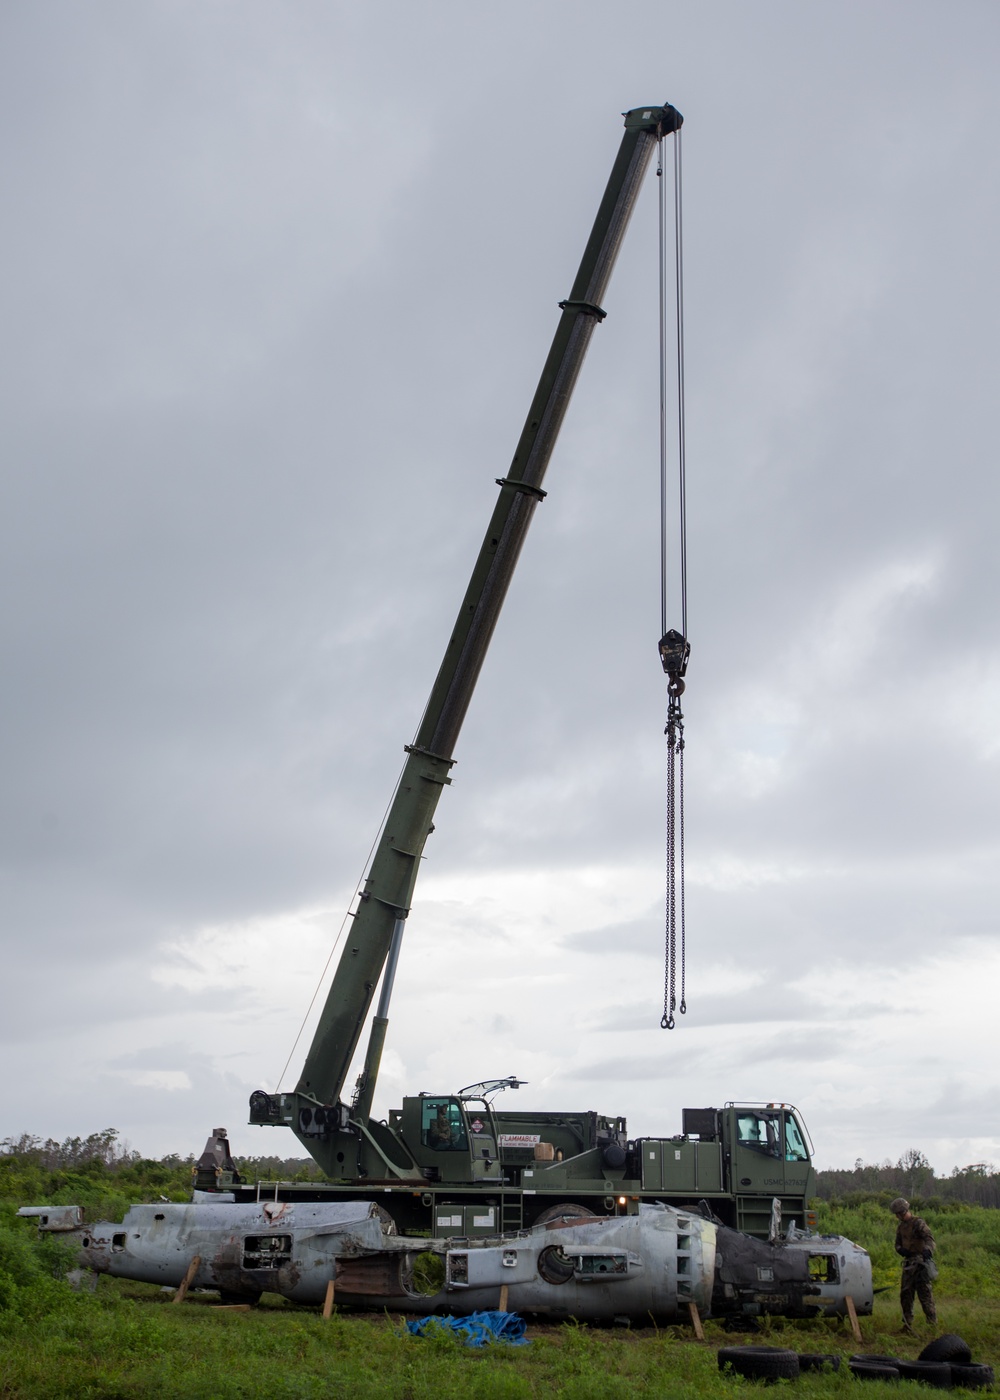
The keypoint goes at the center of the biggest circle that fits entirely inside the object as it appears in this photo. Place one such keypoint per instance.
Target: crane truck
(560, 1214)
(451, 1164)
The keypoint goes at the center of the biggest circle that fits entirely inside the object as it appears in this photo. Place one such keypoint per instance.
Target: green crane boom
(376, 930)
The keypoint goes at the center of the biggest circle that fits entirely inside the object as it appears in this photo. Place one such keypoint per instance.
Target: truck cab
(769, 1157)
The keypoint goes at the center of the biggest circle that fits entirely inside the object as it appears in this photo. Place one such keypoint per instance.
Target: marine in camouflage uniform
(915, 1243)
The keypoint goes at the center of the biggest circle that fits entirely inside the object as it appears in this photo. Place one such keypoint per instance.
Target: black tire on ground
(873, 1371)
(935, 1373)
(569, 1211)
(870, 1359)
(761, 1363)
(818, 1361)
(950, 1347)
(972, 1377)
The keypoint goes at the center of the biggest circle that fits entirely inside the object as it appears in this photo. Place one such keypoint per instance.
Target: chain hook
(674, 653)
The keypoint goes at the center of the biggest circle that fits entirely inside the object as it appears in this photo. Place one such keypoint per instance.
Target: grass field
(128, 1340)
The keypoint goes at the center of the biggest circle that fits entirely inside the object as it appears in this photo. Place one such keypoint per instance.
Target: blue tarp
(475, 1330)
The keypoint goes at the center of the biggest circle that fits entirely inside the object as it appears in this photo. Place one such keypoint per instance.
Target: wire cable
(340, 931)
(674, 648)
(681, 414)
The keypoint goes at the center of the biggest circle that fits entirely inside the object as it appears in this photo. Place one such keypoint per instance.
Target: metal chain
(674, 863)
(670, 932)
(680, 784)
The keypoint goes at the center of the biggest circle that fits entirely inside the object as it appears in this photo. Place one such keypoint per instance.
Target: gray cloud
(274, 297)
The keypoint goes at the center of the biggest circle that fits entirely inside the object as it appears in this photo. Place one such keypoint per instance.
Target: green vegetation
(105, 1177)
(128, 1340)
(968, 1244)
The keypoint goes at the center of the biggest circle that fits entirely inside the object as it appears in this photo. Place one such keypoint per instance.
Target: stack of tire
(943, 1363)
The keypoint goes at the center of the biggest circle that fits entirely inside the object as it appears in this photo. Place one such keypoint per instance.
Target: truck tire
(873, 1371)
(950, 1347)
(972, 1377)
(569, 1211)
(761, 1363)
(819, 1361)
(934, 1373)
(870, 1359)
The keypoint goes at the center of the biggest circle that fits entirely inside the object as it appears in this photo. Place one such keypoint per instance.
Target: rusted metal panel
(370, 1278)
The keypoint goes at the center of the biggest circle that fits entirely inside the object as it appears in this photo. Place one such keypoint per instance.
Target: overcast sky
(276, 284)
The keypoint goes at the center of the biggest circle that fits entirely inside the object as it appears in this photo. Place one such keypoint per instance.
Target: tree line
(912, 1176)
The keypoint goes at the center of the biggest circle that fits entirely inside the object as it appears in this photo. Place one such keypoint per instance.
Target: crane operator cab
(449, 1136)
(442, 1125)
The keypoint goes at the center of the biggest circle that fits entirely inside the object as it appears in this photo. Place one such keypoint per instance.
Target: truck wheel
(569, 1211)
(761, 1363)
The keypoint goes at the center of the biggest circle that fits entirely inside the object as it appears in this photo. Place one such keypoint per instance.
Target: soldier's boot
(931, 1317)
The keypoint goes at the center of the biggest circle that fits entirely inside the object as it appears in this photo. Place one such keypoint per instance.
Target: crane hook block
(675, 651)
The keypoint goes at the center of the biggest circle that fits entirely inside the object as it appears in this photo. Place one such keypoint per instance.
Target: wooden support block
(328, 1300)
(853, 1317)
(699, 1331)
(230, 1307)
(503, 1298)
(187, 1280)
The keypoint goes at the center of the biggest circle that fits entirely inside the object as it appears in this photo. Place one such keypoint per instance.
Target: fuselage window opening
(823, 1268)
(266, 1251)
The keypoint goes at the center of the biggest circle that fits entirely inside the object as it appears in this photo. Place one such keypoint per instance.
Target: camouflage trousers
(915, 1281)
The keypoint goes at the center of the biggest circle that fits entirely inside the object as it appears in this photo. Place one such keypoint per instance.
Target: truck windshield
(761, 1131)
(442, 1127)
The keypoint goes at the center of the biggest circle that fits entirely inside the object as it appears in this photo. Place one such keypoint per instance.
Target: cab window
(795, 1148)
(761, 1131)
(441, 1126)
